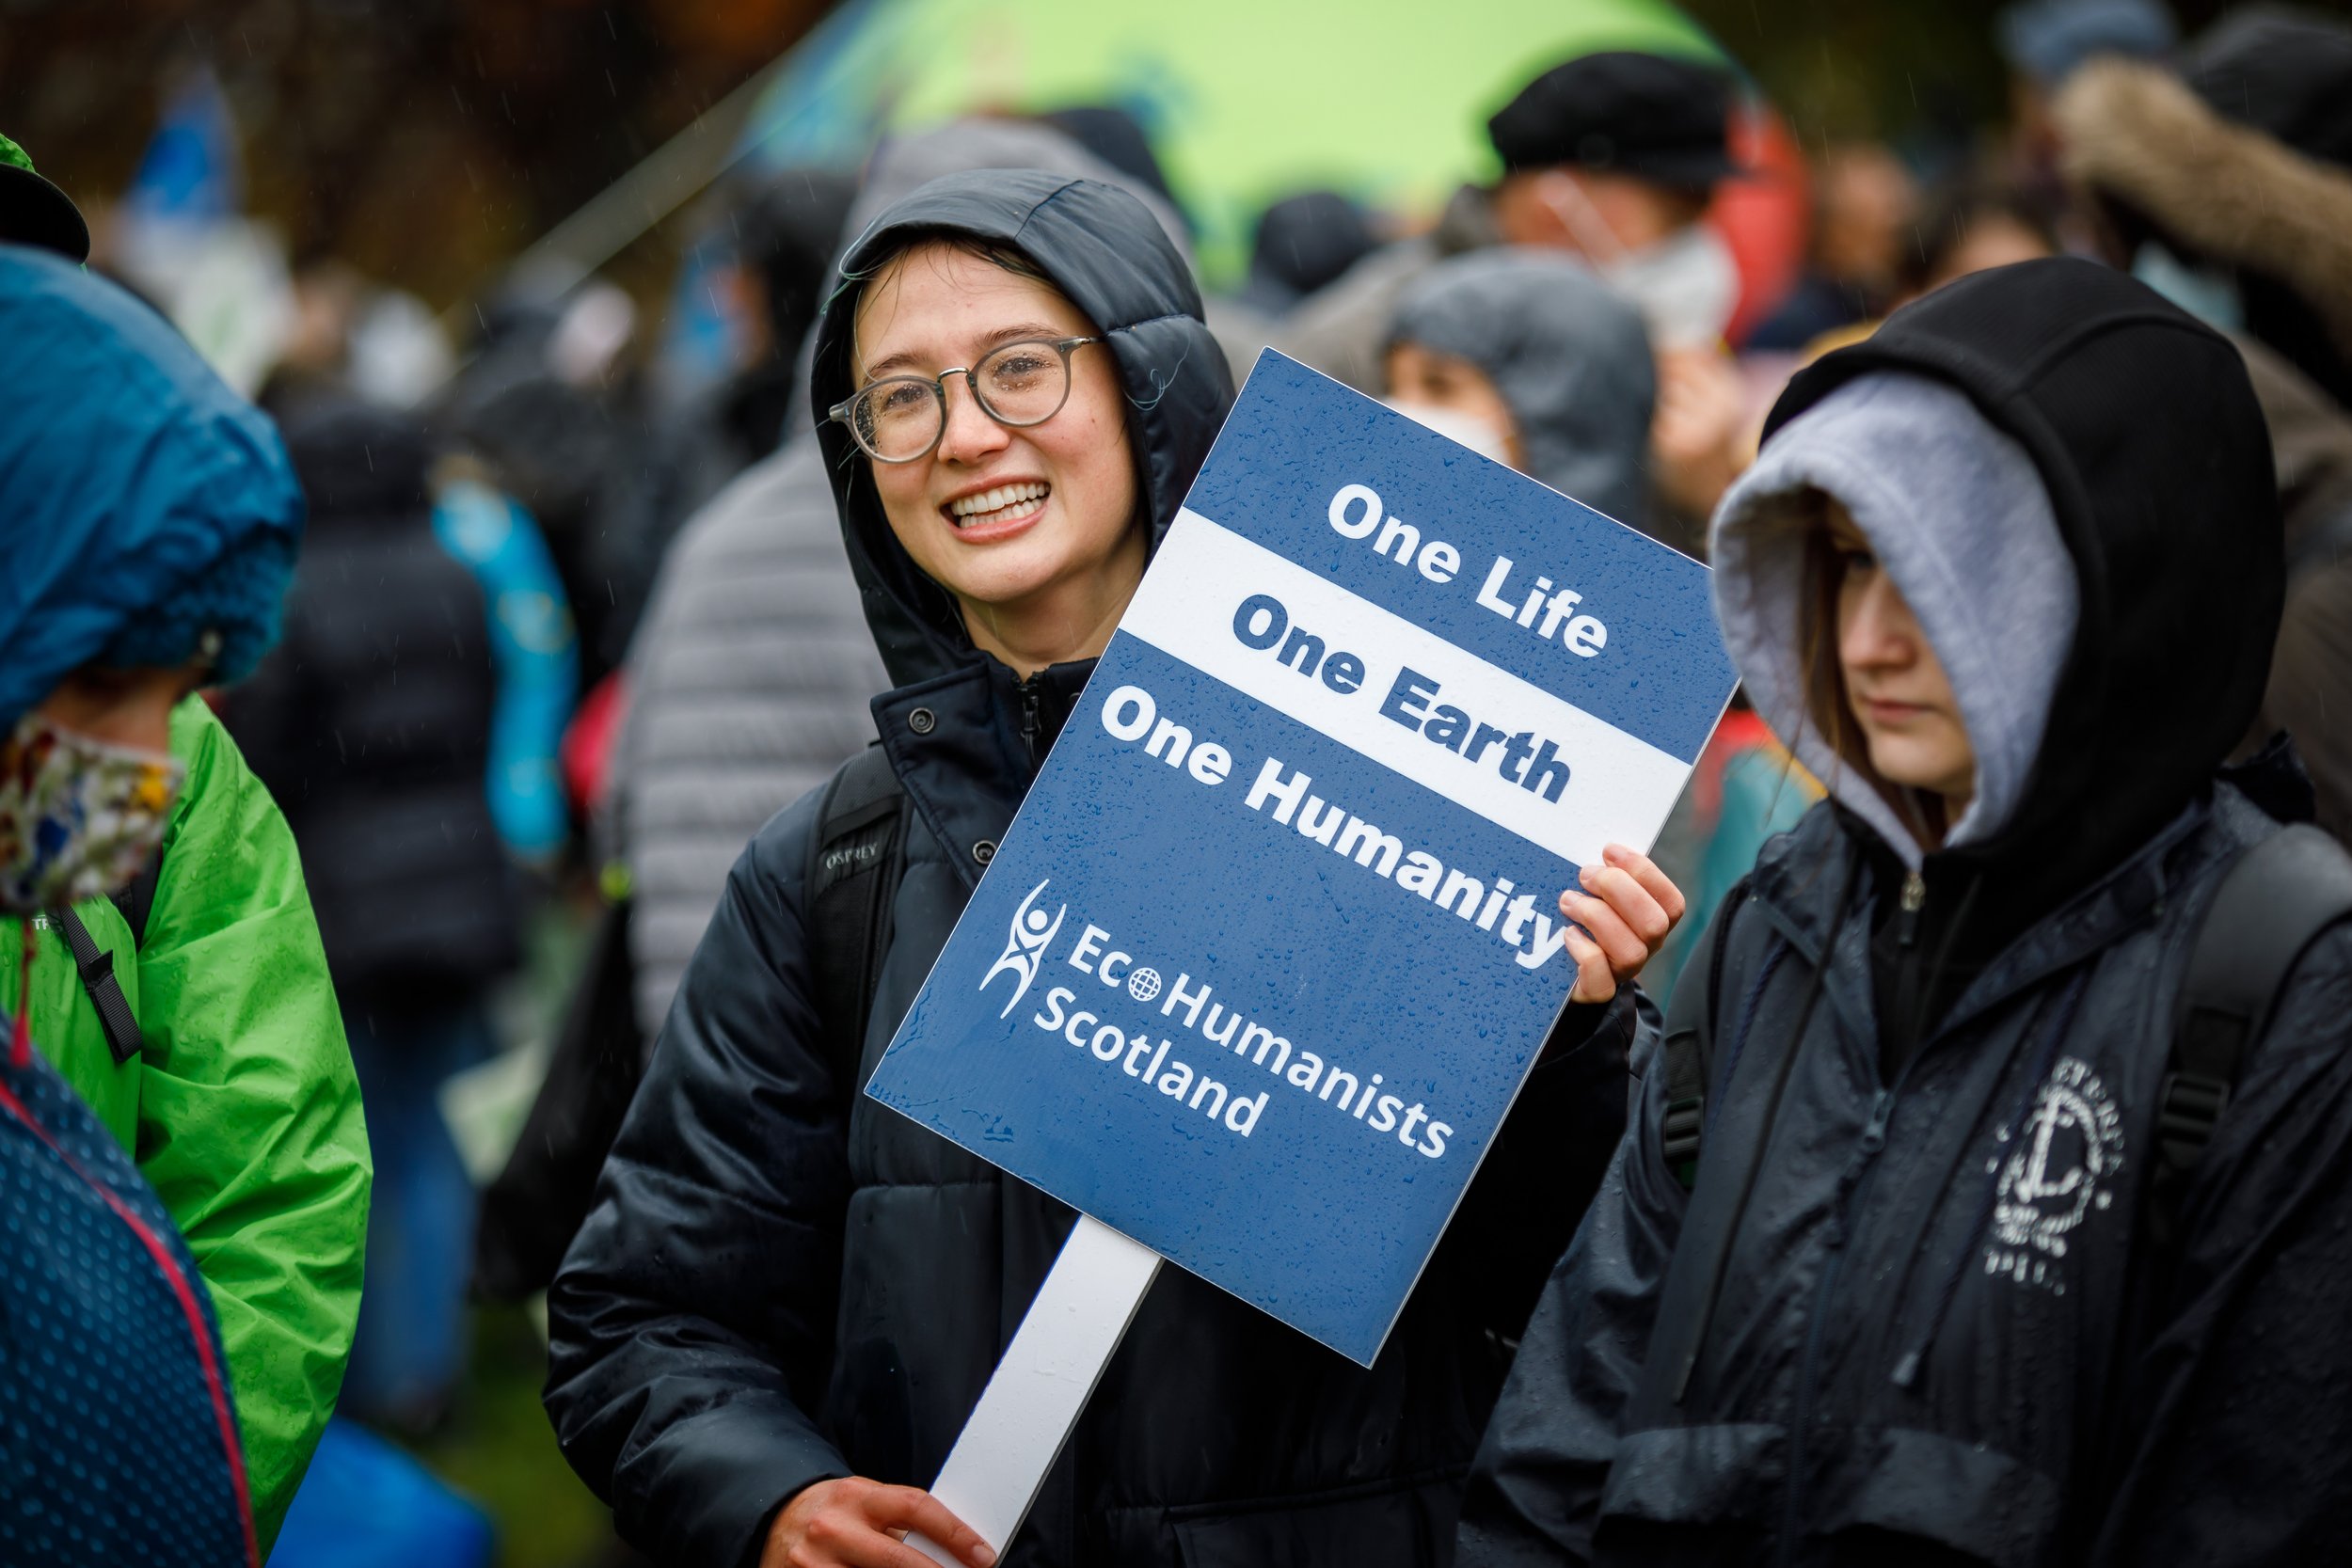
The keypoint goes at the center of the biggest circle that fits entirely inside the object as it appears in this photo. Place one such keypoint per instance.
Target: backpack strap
(854, 867)
(96, 967)
(137, 901)
(1687, 1053)
(2274, 902)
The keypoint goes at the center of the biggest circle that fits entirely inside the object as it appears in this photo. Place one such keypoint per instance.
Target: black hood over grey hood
(2140, 420)
(1104, 251)
(1936, 1306)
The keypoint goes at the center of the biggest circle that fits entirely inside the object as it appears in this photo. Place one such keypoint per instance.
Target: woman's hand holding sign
(856, 1523)
(1621, 918)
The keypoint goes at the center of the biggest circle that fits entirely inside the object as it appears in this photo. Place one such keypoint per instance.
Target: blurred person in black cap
(1304, 244)
(1612, 156)
(1615, 157)
(33, 212)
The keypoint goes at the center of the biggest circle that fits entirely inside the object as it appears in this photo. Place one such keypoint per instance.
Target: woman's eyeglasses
(901, 418)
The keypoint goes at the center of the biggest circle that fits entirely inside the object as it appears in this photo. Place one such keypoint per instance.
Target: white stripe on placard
(1619, 787)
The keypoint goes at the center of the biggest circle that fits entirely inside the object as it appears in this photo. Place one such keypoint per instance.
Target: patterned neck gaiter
(79, 817)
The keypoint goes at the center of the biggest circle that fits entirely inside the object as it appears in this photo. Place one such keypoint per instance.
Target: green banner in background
(1245, 101)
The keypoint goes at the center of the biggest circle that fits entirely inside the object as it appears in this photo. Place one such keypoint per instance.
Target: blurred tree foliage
(422, 140)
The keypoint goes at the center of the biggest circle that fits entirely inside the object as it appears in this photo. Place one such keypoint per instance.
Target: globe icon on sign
(1144, 984)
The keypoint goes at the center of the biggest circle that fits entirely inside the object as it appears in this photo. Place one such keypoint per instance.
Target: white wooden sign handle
(1034, 1397)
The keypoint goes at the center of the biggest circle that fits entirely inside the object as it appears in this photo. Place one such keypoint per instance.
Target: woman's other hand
(1621, 917)
(856, 1523)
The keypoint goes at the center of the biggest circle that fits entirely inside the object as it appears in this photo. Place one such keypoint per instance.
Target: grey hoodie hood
(1958, 517)
(1569, 355)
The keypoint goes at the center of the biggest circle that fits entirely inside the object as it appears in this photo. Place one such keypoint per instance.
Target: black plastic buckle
(2188, 1107)
(1683, 1120)
(100, 969)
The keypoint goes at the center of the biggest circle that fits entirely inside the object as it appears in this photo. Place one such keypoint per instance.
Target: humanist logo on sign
(1257, 971)
(1025, 948)
(1115, 1022)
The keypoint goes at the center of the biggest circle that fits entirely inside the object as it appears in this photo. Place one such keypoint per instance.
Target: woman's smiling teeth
(1001, 505)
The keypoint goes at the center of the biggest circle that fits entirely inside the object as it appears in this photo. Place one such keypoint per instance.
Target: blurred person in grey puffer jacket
(750, 674)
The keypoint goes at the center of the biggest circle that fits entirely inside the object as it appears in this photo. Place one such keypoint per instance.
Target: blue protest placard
(1274, 939)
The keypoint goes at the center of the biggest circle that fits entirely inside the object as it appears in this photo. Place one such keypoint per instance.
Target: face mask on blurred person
(79, 819)
(2207, 294)
(1482, 436)
(1686, 285)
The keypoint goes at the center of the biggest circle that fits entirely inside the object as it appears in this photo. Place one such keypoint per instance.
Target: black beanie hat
(1650, 115)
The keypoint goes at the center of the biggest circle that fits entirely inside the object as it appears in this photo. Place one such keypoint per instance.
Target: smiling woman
(999, 445)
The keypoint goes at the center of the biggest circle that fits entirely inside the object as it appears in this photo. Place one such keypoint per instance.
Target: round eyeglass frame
(971, 374)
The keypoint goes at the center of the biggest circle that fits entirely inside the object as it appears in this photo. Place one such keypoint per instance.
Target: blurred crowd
(457, 771)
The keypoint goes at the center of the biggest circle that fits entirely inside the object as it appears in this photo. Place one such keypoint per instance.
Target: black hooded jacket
(371, 724)
(1920, 1319)
(783, 1282)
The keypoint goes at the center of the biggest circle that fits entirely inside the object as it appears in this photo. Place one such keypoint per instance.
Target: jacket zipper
(1905, 995)
(1915, 899)
(1029, 724)
(1854, 1181)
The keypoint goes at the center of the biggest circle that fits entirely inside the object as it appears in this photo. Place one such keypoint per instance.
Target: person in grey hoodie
(1524, 353)
(750, 677)
(1910, 1253)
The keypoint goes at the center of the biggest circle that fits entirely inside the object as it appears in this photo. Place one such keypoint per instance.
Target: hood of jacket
(1959, 520)
(903, 164)
(2152, 451)
(128, 471)
(1106, 252)
(1569, 355)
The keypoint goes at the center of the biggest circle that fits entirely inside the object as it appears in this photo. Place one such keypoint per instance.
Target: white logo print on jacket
(2060, 1172)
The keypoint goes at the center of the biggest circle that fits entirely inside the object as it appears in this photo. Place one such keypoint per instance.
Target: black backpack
(2274, 902)
(536, 1204)
(853, 863)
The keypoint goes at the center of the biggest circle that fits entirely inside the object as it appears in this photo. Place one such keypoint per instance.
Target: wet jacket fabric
(783, 1282)
(1920, 1319)
(370, 725)
(242, 1108)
